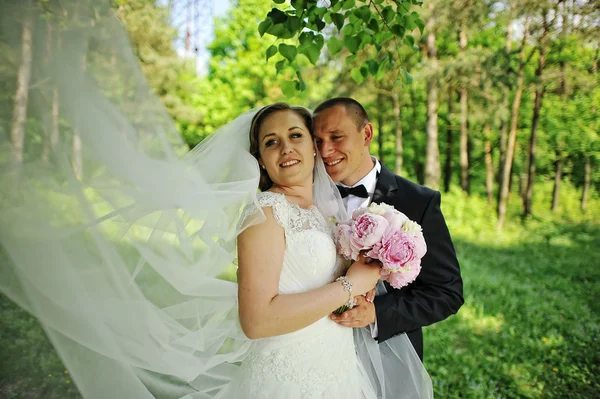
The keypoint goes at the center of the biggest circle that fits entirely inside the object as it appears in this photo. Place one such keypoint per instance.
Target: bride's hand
(370, 296)
(363, 275)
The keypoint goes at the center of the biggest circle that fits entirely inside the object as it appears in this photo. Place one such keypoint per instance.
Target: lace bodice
(320, 356)
(310, 254)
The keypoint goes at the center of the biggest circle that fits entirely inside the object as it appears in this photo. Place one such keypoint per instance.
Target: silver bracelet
(348, 288)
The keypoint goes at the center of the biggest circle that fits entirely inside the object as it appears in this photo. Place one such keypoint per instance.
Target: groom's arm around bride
(343, 135)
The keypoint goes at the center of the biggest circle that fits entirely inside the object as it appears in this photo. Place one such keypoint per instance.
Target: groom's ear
(368, 133)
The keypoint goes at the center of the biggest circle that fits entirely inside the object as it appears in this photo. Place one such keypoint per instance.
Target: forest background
(494, 103)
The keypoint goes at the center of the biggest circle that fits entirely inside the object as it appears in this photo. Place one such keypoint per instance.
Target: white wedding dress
(318, 361)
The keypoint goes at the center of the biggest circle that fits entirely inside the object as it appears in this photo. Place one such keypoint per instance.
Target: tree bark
(419, 167)
(47, 128)
(449, 142)
(17, 133)
(432, 156)
(539, 94)
(510, 150)
(398, 123)
(505, 103)
(557, 179)
(489, 165)
(586, 183)
(464, 131)
(380, 127)
(77, 144)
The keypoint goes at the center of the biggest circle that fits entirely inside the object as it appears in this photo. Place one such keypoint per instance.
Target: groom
(343, 135)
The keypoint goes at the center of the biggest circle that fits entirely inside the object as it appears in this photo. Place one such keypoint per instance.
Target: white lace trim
(291, 217)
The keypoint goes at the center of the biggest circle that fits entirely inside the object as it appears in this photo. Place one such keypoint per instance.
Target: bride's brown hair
(265, 181)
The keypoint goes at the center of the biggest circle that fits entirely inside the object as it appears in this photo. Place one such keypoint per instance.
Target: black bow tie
(358, 191)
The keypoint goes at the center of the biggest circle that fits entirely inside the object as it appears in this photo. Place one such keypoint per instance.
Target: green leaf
(338, 20)
(281, 31)
(352, 43)
(334, 45)
(357, 75)
(288, 51)
(301, 84)
(374, 25)
(348, 4)
(403, 8)
(279, 66)
(388, 14)
(294, 24)
(277, 16)
(320, 24)
(407, 76)
(363, 13)
(398, 30)
(297, 4)
(409, 21)
(312, 53)
(319, 41)
(264, 26)
(348, 30)
(372, 66)
(278, 1)
(409, 40)
(306, 38)
(271, 51)
(381, 70)
(319, 11)
(421, 24)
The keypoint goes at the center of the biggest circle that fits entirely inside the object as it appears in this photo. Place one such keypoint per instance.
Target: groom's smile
(343, 146)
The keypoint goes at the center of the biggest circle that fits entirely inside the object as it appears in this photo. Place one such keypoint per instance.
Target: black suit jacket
(438, 290)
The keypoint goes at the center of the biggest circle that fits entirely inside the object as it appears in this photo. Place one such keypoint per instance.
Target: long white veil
(120, 244)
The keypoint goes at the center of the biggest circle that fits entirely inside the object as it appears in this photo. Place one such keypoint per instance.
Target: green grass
(529, 327)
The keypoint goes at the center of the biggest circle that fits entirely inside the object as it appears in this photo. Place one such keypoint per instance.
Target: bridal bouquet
(387, 235)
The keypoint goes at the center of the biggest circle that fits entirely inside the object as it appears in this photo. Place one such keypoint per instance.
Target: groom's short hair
(353, 107)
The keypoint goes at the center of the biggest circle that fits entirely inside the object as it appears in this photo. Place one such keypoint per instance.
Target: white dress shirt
(352, 203)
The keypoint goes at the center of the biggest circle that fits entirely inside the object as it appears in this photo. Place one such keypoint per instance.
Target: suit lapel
(385, 190)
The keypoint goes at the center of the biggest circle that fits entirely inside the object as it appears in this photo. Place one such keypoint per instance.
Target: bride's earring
(314, 154)
(263, 166)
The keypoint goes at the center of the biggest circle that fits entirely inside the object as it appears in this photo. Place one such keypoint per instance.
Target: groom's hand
(361, 315)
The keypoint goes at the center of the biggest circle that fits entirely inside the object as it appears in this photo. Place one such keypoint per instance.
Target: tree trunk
(489, 165)
(586, 183)
(449, 142)
(55, 132)
(510, 150)
(557, 179)
(432, 156)
(398, 123)
(464, 131)
(17, 133)
(47, 128)
(419, 167)
(77, 144)
(505, 104)
(380, 129)
(539, 94)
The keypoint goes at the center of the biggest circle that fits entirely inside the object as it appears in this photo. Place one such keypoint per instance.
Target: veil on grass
(115, 237)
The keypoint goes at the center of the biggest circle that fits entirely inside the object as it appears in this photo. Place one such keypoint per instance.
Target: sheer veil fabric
(128, 258)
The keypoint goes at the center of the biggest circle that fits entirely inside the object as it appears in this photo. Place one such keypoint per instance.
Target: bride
(287, 265)
(126, 265)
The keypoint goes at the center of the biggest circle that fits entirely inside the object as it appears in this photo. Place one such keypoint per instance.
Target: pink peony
(395, 218)
(405, 277)
(359, 212)
(398, 249)
(368, 230)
